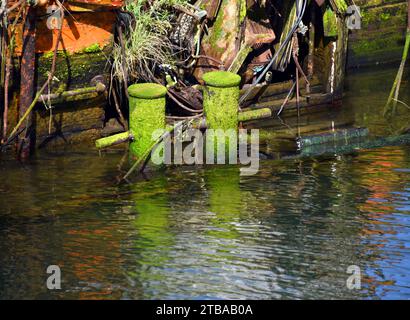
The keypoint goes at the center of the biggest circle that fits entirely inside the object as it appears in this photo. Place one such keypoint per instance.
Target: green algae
(112, 140)
(221, 104)
(240, 58)
(221, 96)
(147, 114)
(376, 46)
(71, 69)
(381, 38)
(330, 23)
(94, 48)
(223, 184)
(147, 91)
(387, 16)
(221, 107)
(243, 11)
(222, 79)
(254, 114)
(341, 5)
(217, 30)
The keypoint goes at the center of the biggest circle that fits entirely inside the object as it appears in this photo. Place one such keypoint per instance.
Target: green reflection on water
(225, 200)
(152, 221)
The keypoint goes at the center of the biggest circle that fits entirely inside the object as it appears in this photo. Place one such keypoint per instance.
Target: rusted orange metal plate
(87, 22)
(110, 3)
(105, 3)
(80, 31)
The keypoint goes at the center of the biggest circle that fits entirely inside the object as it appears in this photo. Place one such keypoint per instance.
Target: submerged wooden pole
(27, 84)
(147, 114)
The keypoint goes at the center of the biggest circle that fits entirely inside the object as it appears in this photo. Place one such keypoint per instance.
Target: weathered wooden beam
(256, 114)
(243, 116)
(74, 95)
(25, 141)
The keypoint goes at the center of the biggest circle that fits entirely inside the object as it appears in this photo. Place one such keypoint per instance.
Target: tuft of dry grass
(146, 43)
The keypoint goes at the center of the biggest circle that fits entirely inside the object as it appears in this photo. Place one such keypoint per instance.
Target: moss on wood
(221, 104)
(221, 97)
(72, 70)
(254, 114)
(330, 23)
(147, 114)
(147, 91)
(94, 48)
(382, 34)
(222, 79)
(341, 5)
(112, 140)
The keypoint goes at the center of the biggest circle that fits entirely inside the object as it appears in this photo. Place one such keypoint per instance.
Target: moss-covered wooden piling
(147, 114)
(221, 96)
(221, 105)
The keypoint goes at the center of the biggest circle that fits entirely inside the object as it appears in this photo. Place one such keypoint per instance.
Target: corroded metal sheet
(89, 23)
(80, 31)
(93, 3)
(109, 3)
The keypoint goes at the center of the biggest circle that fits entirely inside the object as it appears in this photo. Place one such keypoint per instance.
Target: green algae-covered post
(221, 99)
(147, 114)
(221, 104)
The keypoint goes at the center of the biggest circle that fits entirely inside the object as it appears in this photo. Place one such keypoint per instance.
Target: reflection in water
(291, 231)
(154, 238)
(223, 185)
(369, 93)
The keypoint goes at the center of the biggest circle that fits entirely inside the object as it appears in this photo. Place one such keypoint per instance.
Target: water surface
(291, 231)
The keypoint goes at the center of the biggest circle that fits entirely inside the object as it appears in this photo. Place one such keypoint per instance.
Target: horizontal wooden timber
(266, 92)
(316, 103)
(64, 121)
